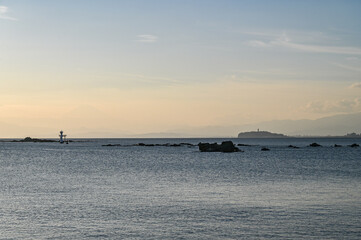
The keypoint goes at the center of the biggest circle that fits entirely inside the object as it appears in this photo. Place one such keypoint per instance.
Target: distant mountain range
(336, 125)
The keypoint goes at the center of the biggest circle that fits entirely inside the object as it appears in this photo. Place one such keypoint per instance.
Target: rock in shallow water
(226, 146)
(292, 146)
(315, 145)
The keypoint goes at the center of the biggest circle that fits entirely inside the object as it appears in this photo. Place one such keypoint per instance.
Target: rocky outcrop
(226, 146)
(292, 146)
(29, 139)
(150, 145)
(315, 145)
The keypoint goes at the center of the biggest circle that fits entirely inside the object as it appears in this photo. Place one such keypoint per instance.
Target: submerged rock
(292, 146)
(226, 146)
(144, 145)
(187, 144)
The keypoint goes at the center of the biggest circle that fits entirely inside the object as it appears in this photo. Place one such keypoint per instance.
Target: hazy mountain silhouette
(160, 135)
(10, 130)
(333, 125)
(337, 125)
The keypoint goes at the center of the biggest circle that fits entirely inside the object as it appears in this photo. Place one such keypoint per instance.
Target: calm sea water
(85, 191)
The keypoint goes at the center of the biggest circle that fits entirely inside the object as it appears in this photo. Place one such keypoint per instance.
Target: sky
(117, 68)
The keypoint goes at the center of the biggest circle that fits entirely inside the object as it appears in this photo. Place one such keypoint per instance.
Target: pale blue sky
(189, 39)
(78, 47)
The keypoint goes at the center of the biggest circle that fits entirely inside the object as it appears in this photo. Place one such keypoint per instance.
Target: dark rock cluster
(29, 139)
(226, 146)
(292, 146)
(315, 145)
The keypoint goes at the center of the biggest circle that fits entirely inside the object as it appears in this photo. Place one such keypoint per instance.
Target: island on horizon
(261, 134)
(266, 134)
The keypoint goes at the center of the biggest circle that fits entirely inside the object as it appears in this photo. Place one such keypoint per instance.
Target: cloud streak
(356, 85)
(285, 42)
(147, 38)
(342, 106)
(319, 49)
(3, 14)
(356, 69)
(152, 79)
(257, 43)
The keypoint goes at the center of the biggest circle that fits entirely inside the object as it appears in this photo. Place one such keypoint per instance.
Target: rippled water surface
(83, 190)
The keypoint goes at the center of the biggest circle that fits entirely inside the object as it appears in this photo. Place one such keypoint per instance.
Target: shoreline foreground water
(84, 190)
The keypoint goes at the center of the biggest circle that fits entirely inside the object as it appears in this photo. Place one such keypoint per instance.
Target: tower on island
(62, 137)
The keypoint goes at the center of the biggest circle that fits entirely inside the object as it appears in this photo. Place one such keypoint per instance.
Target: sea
(84, 190)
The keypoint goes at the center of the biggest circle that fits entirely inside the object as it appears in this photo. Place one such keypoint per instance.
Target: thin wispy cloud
(258, 34)
(356, 85)
(352, 58)
(152, 79)
(341, 106)
(4, 14)
(319, 49)
(257, 43)
(147, 38)
(285, 42)
(301, 36)
(268, 72)
(352, 68)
